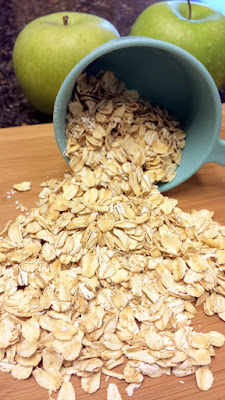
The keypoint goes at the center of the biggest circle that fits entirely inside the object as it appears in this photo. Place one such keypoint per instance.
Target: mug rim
(139, 41)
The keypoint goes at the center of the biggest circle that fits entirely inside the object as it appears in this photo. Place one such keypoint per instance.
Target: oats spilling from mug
(119, 141)
(96, 276)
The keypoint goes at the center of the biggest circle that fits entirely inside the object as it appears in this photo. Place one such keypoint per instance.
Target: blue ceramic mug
(165, 75)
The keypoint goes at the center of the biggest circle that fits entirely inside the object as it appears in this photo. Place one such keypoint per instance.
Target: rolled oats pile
(96, 277)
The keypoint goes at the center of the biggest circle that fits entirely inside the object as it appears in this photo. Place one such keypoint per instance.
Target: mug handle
(217, 153)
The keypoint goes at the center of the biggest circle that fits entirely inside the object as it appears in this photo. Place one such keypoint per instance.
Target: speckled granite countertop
(15, 14)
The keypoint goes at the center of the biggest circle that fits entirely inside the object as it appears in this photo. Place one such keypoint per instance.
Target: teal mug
(165, 75)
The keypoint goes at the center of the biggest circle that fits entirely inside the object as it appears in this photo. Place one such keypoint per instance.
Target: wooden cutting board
(30, 153)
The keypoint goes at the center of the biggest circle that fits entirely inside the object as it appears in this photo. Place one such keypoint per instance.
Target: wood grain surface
(30, 153)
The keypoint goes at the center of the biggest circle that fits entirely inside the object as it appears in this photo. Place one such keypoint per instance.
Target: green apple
(202, 33)
(49, 47)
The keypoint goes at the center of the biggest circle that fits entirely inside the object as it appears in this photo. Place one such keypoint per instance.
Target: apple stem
(189, 9)
(65, 20)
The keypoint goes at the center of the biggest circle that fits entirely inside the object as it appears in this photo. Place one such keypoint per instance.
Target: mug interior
(168, 76)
